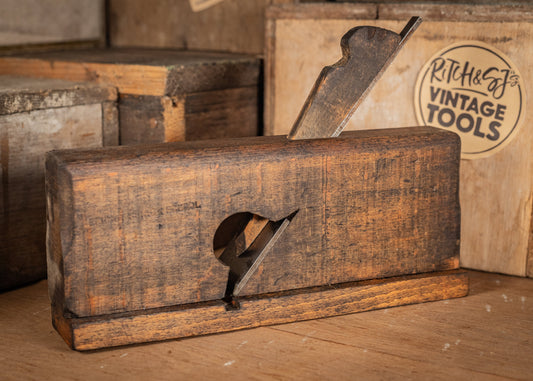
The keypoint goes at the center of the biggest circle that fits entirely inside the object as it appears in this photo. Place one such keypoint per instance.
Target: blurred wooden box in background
(164, 95)
(37, 116)
(43, 24)
(230, 25)
(497, 191)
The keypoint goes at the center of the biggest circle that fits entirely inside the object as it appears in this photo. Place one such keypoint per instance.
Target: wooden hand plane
(181, 239)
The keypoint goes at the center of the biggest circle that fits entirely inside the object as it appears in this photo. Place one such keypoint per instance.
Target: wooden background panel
(159, 234)
(50, 21)
(232, 25)
(495, 192)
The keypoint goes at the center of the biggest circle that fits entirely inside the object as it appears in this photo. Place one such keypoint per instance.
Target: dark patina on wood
(134, 229)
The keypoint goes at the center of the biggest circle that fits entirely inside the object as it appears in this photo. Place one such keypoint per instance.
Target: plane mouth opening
(241, 242)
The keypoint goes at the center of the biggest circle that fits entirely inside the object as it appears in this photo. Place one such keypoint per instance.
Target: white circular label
(474, 90)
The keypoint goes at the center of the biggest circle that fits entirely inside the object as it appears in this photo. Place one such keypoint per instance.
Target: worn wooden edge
(457, 12)
(50, 94)
(174, 118)
(128, 79)
(269, 309)
(82, 160)
(110, 125)
(403, 11)
(230, 73)
(529, 259)
(50, 47)
(322, 11)
(269, 91)
(58, 189)
(138, 78)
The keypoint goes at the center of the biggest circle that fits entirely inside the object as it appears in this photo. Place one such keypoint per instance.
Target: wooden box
(230, 25)
(41, 25)
(496, 190)
(36, 116)
(164, 95)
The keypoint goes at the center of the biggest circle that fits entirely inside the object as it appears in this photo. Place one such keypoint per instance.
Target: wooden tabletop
(487, 335)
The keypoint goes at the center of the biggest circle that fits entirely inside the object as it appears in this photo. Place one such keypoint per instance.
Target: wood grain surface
(165, 95)
(133, 228)
(232, 25)
(223, 113)
(23, 94)
(495, 191)
(484, 336)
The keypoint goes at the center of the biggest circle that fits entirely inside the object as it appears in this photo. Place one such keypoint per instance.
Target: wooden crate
(496, 191)
(231, 25)
(37, 116)
(45, 24)
(164, 95)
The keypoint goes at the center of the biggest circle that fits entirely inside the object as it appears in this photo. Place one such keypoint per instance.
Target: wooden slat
(458, 12)
(322, 11)
(39, 48)
(23, 94)
(149, 72)
(131, 79)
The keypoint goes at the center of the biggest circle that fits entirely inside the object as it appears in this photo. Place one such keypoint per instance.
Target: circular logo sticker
(474, 90)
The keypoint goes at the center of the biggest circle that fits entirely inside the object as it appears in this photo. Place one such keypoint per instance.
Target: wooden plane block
(213, 317)
(164, 94)
(36, 116)
(133, 228)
